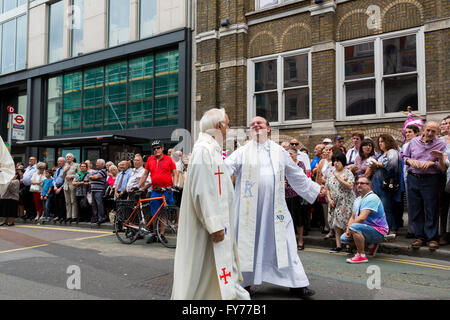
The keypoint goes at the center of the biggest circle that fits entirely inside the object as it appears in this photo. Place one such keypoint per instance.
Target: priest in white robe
(7, 168)
(265, 232)
(206, 264)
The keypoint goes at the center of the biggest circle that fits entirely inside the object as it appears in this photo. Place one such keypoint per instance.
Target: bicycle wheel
(167, 227)
(126, 233)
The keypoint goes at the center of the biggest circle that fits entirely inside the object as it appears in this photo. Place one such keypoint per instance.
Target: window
(72, 103)
(13, 39)
(148, 18)
(381, 75)
(119, 22)
(262, 4)
(166, 88)
(55, 33)
(21, 43)
(116, 96)
(54, 106)
(140, 108)
(77, 27)
(279, 87)
(132, 94)
(8, 42)
(93, 100)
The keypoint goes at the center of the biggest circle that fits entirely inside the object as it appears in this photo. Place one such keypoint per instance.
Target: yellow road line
(26, 248)
(93, 237)
(402, 261)
(64, 229)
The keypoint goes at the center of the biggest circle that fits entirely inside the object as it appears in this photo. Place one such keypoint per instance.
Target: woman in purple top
(298, 208)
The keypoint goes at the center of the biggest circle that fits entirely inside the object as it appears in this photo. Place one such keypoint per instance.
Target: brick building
(320, 68)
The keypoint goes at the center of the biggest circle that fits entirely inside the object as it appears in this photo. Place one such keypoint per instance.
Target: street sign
(10, 109)
(18, 126)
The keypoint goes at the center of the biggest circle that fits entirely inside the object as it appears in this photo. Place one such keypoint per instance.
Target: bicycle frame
(139, 205)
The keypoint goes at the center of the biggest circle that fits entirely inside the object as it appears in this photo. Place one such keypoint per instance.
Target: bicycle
(128, 226)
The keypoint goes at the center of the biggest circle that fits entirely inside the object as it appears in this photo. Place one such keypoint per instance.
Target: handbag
(391, 182)
(84, 203)
(35, 188)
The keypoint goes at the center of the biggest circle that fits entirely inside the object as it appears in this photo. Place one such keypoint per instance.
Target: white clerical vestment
(7, 168)
(203, 269)
(265, 232)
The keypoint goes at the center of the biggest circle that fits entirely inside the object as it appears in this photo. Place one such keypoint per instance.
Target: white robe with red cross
(7, 168)
(204, 270)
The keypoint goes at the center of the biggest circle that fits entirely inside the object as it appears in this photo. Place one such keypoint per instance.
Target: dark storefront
(108, 104)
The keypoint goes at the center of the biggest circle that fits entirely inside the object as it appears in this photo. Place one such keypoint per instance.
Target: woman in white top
(37, 181)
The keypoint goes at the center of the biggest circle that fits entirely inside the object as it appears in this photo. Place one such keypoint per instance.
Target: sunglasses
(156, 148)
(295, 144)
(362, 183)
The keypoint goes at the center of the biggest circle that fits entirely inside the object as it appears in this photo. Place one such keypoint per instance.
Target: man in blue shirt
(368, 221)
(122, 179)
(59, 201)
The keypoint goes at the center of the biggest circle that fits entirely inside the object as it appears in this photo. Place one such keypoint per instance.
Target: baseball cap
(338, 138)
(156, 143)
(327, 140)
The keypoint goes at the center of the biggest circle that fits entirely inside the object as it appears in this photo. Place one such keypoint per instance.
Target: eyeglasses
(362, 183)
(295, 144)
(156, 148)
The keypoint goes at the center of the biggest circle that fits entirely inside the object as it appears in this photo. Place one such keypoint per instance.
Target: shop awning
(82, 141)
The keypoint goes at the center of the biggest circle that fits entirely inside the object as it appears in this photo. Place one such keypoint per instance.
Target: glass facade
(137, 93)
(119, 22)
(55, 33)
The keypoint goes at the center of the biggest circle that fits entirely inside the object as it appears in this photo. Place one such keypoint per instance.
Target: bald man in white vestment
(265, 233)
(206, 264)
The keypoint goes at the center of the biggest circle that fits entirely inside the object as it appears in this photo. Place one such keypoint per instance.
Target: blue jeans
(371, 235)
(47, 207)
(155, 204)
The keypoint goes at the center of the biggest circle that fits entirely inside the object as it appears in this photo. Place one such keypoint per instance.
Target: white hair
(101, 161)
(211, 118)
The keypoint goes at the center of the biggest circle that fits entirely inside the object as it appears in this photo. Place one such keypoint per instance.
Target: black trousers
(28, 203)
(59, 205)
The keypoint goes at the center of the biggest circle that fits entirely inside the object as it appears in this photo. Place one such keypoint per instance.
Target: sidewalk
(401, 246)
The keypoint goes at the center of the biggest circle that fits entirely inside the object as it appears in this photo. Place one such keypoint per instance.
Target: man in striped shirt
(98, 186)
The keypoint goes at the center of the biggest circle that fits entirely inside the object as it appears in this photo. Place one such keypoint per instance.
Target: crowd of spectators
(413, 177)
(74, 192)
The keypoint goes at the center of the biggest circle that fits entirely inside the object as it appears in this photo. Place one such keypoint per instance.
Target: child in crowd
(46, 195)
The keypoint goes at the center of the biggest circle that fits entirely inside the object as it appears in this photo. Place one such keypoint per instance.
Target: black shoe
(302, 292)
(152, 239)
(74, 220)
(10, 224)
(410, 235)
(335, 250)
(163, 239)
(2, 224)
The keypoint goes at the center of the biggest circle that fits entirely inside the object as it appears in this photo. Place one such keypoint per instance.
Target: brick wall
(222, 84)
